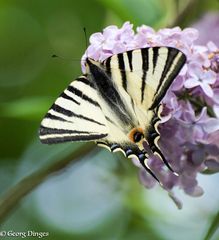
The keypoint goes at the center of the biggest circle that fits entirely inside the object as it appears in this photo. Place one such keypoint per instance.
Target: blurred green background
(99, 197)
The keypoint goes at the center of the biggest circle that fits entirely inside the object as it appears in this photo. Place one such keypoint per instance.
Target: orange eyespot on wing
(136, 135)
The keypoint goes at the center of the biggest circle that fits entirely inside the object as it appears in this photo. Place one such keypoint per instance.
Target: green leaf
(24, 48)
(213, 227)
(137, 11)
(26, 108)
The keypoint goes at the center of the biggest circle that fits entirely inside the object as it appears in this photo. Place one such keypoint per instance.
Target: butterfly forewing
(75, 116)
(146, 73)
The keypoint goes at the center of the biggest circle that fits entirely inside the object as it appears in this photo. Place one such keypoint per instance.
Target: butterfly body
(116, 103)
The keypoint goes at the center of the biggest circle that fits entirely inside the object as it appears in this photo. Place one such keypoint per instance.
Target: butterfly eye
(138, 136)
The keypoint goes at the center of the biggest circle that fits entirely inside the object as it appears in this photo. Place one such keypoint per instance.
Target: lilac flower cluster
(190, 119)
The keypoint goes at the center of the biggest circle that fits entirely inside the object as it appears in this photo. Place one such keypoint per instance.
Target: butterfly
(116, 103)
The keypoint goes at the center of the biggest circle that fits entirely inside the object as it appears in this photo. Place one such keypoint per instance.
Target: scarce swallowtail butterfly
(117, 103)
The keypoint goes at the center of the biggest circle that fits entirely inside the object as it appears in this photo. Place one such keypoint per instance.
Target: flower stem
(213, 227)
(14, 195)
(180, 18)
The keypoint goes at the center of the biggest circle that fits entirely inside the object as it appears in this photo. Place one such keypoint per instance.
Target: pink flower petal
(190, 34)
(211, 125)
(96, 38)
(207, 89)
(191, 82)
(212, 46)
(110, 32)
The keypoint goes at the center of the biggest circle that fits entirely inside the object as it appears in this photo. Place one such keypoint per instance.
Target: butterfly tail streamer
(143, 161)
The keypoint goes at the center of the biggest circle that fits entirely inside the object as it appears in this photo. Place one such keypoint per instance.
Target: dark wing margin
(130, 151)
(174, 62)
(153, 136)
(76, 115)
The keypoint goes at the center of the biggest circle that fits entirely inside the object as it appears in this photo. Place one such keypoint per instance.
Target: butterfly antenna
(85, 35)
(64, 58)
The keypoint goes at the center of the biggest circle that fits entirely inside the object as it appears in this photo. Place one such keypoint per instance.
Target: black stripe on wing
(54, 117)
(129, 151)
(108, 66)
(69, 113)
(168, 75)
(155, 56)
(80, 94)
(122, 72)
(49, 131)
(129, 54)
(62, 110)
(62, 139)
(50, 135)
(144, 55)
(86, 81)
(64, 95)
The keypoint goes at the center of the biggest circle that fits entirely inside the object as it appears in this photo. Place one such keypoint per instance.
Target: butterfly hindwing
(75, 116)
